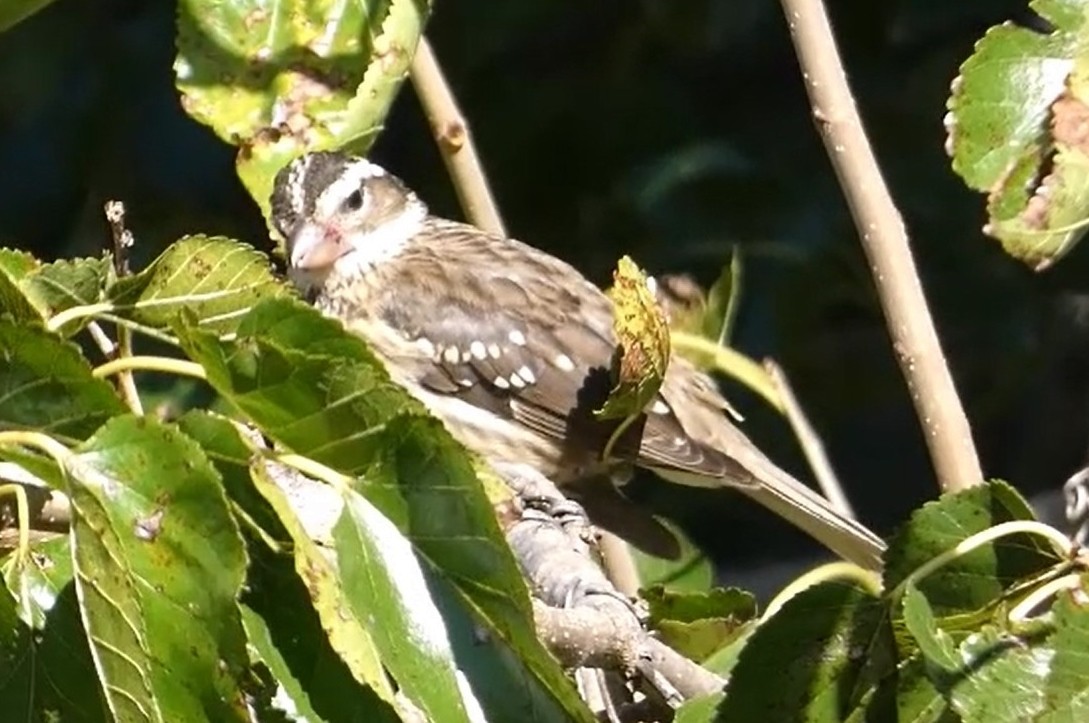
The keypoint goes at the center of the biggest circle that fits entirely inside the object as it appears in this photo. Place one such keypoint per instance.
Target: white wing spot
(563, 362)
(659, 407)
(517, 381)
(516, 337)
(425, 346)
(466, 356)
(478, 350)
(494, 351)
(526, 373)
(450, 354)
(501, 383)
(465, 383)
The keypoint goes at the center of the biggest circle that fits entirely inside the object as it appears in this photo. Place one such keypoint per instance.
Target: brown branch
(580, 614)
(455, 142)
(885, 242)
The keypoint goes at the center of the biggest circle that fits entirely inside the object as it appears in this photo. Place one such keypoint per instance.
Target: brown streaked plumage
(512, 347)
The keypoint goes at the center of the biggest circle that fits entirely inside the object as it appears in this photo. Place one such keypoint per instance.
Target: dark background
(668, 130)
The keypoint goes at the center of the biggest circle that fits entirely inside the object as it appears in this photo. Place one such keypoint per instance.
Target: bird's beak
(315, 247)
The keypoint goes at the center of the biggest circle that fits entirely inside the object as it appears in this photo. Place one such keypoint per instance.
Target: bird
(511, 347)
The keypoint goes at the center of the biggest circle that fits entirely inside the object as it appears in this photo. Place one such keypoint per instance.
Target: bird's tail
(797, 504)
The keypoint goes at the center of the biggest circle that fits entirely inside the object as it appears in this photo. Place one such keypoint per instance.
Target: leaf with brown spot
(278, 79)
(642, 333)
(1018, 131)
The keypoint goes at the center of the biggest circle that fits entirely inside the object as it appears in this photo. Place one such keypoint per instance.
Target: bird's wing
(524, 335)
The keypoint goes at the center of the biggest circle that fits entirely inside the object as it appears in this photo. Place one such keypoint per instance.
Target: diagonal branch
(455, 143)
(885, 242)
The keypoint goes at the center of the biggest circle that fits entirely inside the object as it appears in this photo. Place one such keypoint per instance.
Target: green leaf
(642, 334)
(936, 644)
(220, 440)
(46, 669)
(423, 481)
(46, 385)
(906, 694)
(56, 287)
(1005, 678)
(160, 565)
(286, 635)
(14, 266)
(282, 373)
(215, 278)
(1067, 686)
(814, 660)
(13, 12)
(315, 388)
(691, 571)
(697, 624)
(723, 300)
(348, 635)
(382, 579)
(39, 579)
(699, 710)
(723, 660)
(281, 78)
(977, 579)
(1009, 137)
(33, 291)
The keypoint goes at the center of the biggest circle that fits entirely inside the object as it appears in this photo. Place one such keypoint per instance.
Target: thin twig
(884, 240)
(104, 342)
(811, 444)
(455, 142)
(122, 243)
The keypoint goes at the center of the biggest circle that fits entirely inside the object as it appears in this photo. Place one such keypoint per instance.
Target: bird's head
(341, 213)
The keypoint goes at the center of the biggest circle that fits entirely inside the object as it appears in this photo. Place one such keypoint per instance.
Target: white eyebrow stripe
(350, 180)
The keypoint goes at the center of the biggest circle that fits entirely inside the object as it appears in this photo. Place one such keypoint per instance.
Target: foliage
(196, 584)
(1017, 130)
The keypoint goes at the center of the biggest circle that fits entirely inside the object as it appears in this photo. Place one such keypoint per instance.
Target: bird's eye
(354, 201)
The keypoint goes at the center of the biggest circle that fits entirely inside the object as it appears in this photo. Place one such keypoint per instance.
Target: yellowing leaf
(642, 334)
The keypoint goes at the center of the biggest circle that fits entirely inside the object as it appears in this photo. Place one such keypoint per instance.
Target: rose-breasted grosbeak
(511, 347)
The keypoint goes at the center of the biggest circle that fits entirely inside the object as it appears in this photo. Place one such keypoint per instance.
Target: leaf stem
(40, 441)
(832, 571)
(731, 362)
(1063, 545)
(454, 140)
(168, 365)
(104, 342)
(1019, 613)
(884, 240)
(22, 510)
(620, 429)
(147, 331)
(57, 321)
